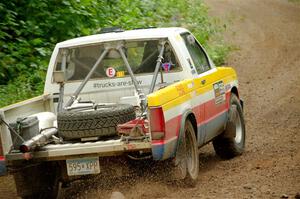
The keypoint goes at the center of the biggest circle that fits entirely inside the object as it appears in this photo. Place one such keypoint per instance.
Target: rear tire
(38, 182)
(231, 142)
(186, 164)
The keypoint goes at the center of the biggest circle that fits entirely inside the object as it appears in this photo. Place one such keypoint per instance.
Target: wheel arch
(193, 120)
(169, 149)
(235, 91)
(188, 115)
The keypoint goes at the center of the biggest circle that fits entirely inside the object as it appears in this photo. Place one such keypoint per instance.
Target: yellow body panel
(181, 92)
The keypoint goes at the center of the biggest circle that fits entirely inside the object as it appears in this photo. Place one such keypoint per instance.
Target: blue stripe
(158, 151)
(211, 129)
(164, 151)
(205, 133)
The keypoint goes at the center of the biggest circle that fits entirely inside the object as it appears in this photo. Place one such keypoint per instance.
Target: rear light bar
(157, 123)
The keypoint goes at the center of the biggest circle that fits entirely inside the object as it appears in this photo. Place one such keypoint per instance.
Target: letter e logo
(110, 72)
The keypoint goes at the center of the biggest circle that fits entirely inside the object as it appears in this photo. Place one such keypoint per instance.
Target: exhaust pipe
(38, 140)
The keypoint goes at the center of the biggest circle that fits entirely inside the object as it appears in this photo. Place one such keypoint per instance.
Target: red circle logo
(110, 72)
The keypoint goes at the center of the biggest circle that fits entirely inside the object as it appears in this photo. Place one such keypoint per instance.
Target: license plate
(83, 166)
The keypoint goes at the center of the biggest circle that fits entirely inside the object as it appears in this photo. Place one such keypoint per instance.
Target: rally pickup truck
(139, 94)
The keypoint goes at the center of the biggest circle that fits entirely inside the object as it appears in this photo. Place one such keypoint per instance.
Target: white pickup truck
(139, 94)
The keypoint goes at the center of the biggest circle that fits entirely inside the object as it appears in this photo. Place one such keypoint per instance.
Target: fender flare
(182, 125)
(172, 153)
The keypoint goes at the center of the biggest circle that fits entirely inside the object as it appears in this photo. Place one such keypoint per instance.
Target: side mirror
(59, 77)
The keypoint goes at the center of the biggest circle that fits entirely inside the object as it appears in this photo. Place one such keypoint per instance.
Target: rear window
(141, 55)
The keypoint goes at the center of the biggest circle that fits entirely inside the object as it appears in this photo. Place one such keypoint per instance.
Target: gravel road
(267, 35)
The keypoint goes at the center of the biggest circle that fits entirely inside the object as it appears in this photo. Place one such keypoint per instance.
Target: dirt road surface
(267, 34)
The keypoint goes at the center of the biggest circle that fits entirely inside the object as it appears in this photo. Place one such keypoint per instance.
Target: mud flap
(230, 126)
(242, 103)
(180, 168)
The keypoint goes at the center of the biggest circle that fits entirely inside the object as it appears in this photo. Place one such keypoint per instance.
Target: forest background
(30, 29)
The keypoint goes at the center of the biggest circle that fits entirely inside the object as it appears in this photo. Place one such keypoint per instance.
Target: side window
(150, 53)
(198, 55)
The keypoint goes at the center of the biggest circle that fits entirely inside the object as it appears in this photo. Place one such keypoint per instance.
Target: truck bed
(22, 109)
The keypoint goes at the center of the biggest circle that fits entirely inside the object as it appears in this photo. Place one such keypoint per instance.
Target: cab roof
(150, 33)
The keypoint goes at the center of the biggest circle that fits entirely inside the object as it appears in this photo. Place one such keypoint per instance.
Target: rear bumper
(64, 151)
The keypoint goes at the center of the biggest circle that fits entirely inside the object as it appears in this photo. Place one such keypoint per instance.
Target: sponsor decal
(180, 89)
(120, 73)
(115, 84)
(110, 72)
(166, 66)
(219, 90)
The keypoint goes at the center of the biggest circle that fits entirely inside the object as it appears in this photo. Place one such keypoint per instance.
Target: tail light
(157, 123)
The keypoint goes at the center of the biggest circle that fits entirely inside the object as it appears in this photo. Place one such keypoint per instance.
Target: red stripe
(211, 112)
(199, 113)
(158, 142)
(212, 109)
(2, 158)
(172, 127)
(212, 118)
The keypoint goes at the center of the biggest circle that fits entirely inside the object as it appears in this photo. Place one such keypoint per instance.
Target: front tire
(231, 142)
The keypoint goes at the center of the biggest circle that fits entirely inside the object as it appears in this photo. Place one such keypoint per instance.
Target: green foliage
(30, 29)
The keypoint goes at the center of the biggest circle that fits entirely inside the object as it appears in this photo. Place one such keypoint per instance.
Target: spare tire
(99, 122)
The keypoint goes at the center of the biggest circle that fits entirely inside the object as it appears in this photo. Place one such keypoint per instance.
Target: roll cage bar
(119, 47)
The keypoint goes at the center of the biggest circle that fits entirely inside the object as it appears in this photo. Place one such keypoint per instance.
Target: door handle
(203, 81)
